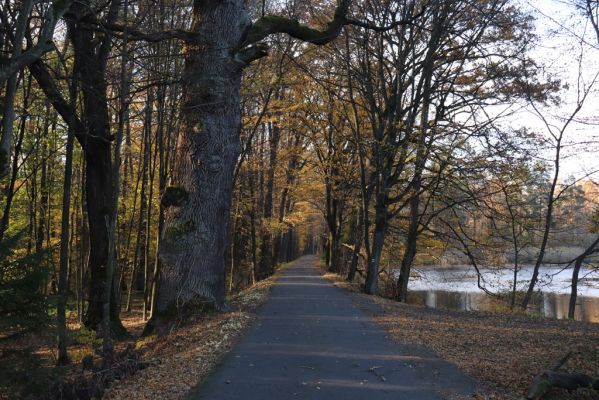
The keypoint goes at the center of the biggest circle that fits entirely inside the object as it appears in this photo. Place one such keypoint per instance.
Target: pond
(456, 288)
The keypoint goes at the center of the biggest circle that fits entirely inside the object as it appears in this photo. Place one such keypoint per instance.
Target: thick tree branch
(272, 24)
(43, 45)
(137, 35)
(248, 54)
(562, 380)
(62, 106)
(385, 28)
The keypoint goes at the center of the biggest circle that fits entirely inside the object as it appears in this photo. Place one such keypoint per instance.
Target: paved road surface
(312, 342)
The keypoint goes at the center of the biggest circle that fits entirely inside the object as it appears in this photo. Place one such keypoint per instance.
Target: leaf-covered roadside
(184, 357)
(503, 351)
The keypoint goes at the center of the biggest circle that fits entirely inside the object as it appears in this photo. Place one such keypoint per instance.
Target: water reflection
(551, 305)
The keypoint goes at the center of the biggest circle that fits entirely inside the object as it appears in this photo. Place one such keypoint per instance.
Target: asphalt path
(313, 341)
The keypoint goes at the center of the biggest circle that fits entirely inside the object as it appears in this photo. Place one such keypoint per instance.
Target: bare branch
(44, 43)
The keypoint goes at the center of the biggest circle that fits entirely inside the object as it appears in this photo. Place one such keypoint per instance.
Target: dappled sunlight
(319, 317)
(348, 384)
(283, 283)
(312, 340)
(527, 344)
(264, 350)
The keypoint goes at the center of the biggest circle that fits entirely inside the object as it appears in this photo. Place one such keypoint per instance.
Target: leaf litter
(187, 355)
(502, 351)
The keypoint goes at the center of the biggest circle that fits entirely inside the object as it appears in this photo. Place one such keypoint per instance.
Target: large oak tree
(197, 204)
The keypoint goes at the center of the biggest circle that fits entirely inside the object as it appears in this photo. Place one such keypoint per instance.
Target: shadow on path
(311, 342)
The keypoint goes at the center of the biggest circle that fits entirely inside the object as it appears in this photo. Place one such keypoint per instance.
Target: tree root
(552, 378)
(94, 379)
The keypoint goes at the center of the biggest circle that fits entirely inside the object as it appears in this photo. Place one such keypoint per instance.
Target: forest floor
(503, 351)
(179, 360)
(172, 363)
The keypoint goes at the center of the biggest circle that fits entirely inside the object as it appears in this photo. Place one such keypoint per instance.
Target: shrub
(23, 304)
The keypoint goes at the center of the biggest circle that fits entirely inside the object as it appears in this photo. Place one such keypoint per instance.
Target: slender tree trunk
(152, 170)
(233, 247)
(63, 283)
(546, 229)
(139, 241)
(109, 303)
(410, 251)
(283, 206)
(278, 242)
(577, 265)
(43, 202)
(162, 175)
(331, 251)
(380, 227)
(515, 283)
(266, 253)
(15, 162)
(83, 241)
(130, 234)
(253, 236)
(32, 207)
(353, 268)
(11, 89)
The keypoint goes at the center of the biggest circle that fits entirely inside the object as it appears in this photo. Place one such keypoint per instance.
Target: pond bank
(457, 288)
(549, 305)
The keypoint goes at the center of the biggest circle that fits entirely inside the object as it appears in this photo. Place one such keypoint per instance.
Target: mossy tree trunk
(197, 204)
(194, 237)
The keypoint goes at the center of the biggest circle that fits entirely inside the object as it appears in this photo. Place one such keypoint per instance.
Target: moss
(172, 233)
(267, 25)
(174, 196)
(270, 24)
(197, 128)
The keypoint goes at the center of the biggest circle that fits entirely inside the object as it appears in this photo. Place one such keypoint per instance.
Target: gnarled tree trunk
(194, 238)
(197, 204)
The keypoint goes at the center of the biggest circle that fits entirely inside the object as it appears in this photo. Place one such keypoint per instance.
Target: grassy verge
(503, 351)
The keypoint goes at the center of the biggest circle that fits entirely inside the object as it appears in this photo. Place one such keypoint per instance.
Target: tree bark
(93, 133)
(380, 228)
(63, 281)
(96, 143)
(197, 204)
(43, 202)
(266, 249)
(577, 265)
(353, 268)
(11, 88)
(10, 191)
(546, 229)
(151, 172)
